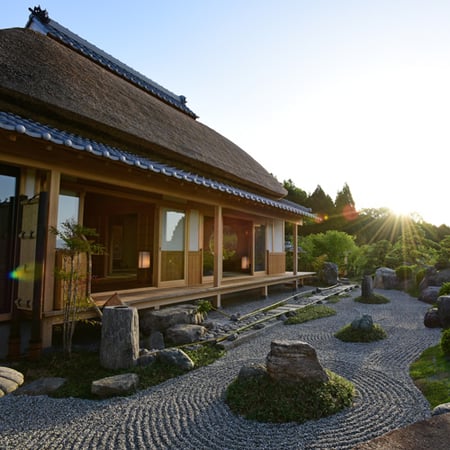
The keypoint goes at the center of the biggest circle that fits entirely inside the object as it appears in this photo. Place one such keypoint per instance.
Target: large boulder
(151, 320)
(385, 278)
(429, 294)
(433, 277)
(443, 307)
(330, 273)
(364, 323)
(367, 286)
(176, 357)
(431, 319)
(119, 346)
(253, 371)
(116, 385)
(294, 361)
(185, 333)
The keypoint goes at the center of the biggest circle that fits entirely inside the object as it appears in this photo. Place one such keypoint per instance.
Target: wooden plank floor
(155, 297)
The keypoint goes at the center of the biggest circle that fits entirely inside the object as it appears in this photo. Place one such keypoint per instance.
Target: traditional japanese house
(183, 213)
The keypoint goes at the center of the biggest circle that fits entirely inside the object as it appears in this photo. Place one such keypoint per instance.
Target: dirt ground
(429, 434)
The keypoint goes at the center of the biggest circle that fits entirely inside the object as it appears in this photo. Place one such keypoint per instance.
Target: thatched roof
(44, 80)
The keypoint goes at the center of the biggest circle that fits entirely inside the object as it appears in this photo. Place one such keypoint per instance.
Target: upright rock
(330, 273)
(367, 287)
(294, 361)
(385, 278)
(119, 347)
(443, 307)
(364, 323)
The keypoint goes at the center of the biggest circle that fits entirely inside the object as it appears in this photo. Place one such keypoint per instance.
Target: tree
(75, 274)
(295, 194)
(321, 203)
(335, 246)
(345, 205)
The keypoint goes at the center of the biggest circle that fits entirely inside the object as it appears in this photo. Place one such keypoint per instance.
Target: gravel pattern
(189, 412)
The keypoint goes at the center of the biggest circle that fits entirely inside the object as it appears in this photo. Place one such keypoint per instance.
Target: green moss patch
(265, 400)
(310, 312)
(431, 374)
(374, 299)
(82, 368)
(350, 334)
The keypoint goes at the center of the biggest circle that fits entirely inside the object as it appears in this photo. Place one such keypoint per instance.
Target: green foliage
(266, 400)
(350, 334)
(204, 306)
(295, 194)
(443, 259)
(373, 256)
(444, 289)
(334, 246)
(75, 274)
(420, 275)
(374, 299)
(84, 367)
(384, 238)
(431, 374)
(310, 312)
(404, 273)
(445, 342)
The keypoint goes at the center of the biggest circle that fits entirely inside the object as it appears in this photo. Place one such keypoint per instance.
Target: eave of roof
(39, 21)
(20, 125)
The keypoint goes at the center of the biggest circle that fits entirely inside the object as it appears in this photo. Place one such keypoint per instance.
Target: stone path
(189, 412)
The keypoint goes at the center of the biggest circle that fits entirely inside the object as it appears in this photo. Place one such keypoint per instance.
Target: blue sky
(323, 92)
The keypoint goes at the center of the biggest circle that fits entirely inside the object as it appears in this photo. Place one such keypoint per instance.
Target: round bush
(350, 334)
(420, 275)
(445, 289)
(404, 273)
(265, 400)
(445, 342)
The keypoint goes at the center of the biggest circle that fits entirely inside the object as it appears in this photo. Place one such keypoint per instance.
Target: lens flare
(24, 272)
(349, 213)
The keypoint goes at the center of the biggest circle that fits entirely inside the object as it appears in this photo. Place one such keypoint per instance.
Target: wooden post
(218, 246)
(295, 254)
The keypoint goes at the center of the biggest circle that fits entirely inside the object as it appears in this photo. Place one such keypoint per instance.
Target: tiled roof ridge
(89, 50)
(13, 122)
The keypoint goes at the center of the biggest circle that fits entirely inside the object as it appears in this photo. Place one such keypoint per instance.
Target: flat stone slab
(41, 386)
(116, 385)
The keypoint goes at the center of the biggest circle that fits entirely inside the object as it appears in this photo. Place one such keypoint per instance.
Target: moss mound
(310, 312)
(265, 400)
(350, 334)
(374, 299)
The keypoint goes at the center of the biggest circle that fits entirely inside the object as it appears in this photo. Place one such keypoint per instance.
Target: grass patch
(84, 367)
(335, 298)
(265, 400)
(310, 312)
(431, 374)
(350, 334)
(374, 299)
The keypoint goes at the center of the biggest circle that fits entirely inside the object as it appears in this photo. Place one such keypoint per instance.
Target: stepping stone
(41, 386)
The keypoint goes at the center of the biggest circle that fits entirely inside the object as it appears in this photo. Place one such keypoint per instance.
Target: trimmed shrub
(375, 299)
(350, 334)
(445, 289)
(420, 275)
(445, 342)
(265, 400)
(404, 273)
